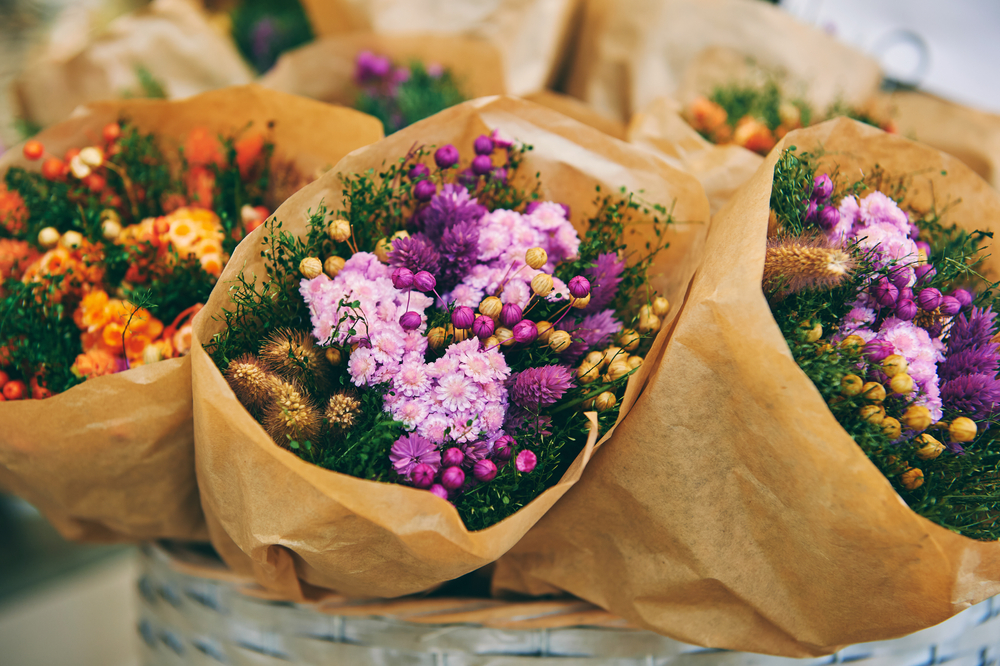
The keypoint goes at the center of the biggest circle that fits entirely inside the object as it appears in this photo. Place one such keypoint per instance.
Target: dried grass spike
(290, 414)
(796, 263)
(342, 411)
(293, 355)
(250, 382)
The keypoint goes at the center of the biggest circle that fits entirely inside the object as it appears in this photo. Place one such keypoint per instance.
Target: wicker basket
(195, 612)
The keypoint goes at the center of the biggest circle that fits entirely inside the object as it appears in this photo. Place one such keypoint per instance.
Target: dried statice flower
(342, 411)
(796, 263)
(290, 414)
(293, 355)
(250, 381)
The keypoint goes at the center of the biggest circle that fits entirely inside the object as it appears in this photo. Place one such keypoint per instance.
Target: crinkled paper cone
(633, 51)
(730, 509)
(324, 69)
(530, 34)
(112, 458)
(297, 522)
(577, 110)
(172, 39)
(721, 170)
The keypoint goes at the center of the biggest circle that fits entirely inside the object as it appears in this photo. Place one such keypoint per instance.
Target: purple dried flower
(525, 332)
(474, 452)
(499, 173)
(498, 141)
(452, 478)
(972, 395)
(482, 327)
(539, 387)
(368, 67)
(467, 178)
(950, 305)
(483, 145)
(402, 278)
(812, 211)
(579, 286)
(605, 276)
(451, 207)
(532, 207)
(424, 281)
(971, 361)
(419, 171)
(446, 156)
(510, 314)
(415, 253)
(484, 470)
(503, 448)
(885, 293)
(976, 330)
(877, 350)
(926, 247)
(906, 309)
(482, 165)
(423, 475)
(424, 190)
(900, 277)
(963, 296)
(459, 252)
(924, 272)
(526, 461)
(929, 299)
(828, 218)
(452, 457)
(439, 490)
(822, 187)
(410, 450)
(463, 317)
(410, 320)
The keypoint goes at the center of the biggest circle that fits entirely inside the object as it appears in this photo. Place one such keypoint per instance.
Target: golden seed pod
(382, 249)
(661, 306)
(504, 335)
(92, 157)
(852, 341)
(542, 284)
(48, 237)
(310, 267)
(873, 391)
(962, 429)
(815, 333)
(402, 233)
(560, 340)
(71, 240)
(588, 372)
(491, 307)
(650, 324)
(912, 478)
(851, 385)
(894, 365)
(629, 339)
(873, 413)
(536, 257)
(822, 349)
(646, 311)
(618, 369)
(595, 358)
(930, 448)
(917, 417)
(339, 230)
(334, 356)
(634, 362)
(588, 403)
(545, 330)
(342, 411)
(604, 401)
(459, 334)
(110, 214)
(490, 342)
(436, 337)
(580, 303)
(333, 265)
(613, 353)
(78, 167)
(901, 384)
(891, 427)
(110, 229)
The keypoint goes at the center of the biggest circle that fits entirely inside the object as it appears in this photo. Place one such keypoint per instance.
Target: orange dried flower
(94, 363)
(248, 151)
(753, 135)
(202, 148)
(706, 115)
(15, 257)
(13, 214)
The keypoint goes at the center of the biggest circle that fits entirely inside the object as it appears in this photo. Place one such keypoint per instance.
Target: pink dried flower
(452, 478)
(526, 461)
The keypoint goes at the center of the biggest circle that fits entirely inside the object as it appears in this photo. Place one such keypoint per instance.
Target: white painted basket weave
(193, 612)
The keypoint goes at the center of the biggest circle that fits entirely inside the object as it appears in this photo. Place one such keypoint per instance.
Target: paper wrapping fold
(721, 170)
(113, 458)
(295, 525)
(730, 509)
(633, 51)
(324, 69)
(172, 39)
(530, 34)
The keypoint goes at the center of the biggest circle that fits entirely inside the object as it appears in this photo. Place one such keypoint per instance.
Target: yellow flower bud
(813, 333)
(634, 362)
(334, 356)
(962, 429)
(661, 306)
(894, 365)
(912, 478)
(873, 391)
(78, 167)
(891, 427)
(646, 311)
(541, 284)
(588, 372)
(545, 330)
(458, 334)
(604, 401)
(929, 448)
(560, 340)
(873, 413)
(851, 385)
(402, 233)
(333, 265)
(536, 257)
(901, 384)
(382, 249)
(71, 240)
(48, 237)
(339, 230)
(92, 157)
(110, 229)
(310, 267)
(595, 358)
(629, 339)
(650, 324)
(579, 303)
(917, 417)
(614, 354)
(110, 214)
(491, 342)
(505, 336)
(588, 403)
(618, 369)
(436, 337)
(852, 342)
(491, 307)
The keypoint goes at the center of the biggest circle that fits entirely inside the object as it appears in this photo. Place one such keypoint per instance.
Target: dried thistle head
(290, 414)
(342, 411)
(797, 263)
(293, 355)
(250, 381)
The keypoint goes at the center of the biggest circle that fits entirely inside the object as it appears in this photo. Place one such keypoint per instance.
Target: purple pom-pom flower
(439, 490)
(950, 305)
(483, 145)
(484, 470)
(510, 314)
(929, 299)
(829, 217)
(410, 320)
(924, 272)
(402, 278)
(526, 461)
(452, 457)
(885, 293)
(525, 332)
(424, 281)
(822, 188)
(463, 317)
(419, 171)
(964, 297)
(423, 475)
(503, 448)
(424, 190)
(877, 350)
(482, 327)
(452, 478)
(446, 156)
(579, 286)
(906, 309)
(482, 165)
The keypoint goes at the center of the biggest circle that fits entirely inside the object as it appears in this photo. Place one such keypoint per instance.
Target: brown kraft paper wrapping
(730, 509)
(531, 35)
(112, 459)
(172, 39)
(294, 525)
(721, 170)
(632, 51)
(324, 69)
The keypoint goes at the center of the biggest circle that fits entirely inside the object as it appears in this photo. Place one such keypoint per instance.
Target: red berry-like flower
(33, 149)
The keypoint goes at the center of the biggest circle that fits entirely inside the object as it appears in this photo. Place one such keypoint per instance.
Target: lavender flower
(605, 276)
(535, 388)
(411, 450)
(415, 253)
